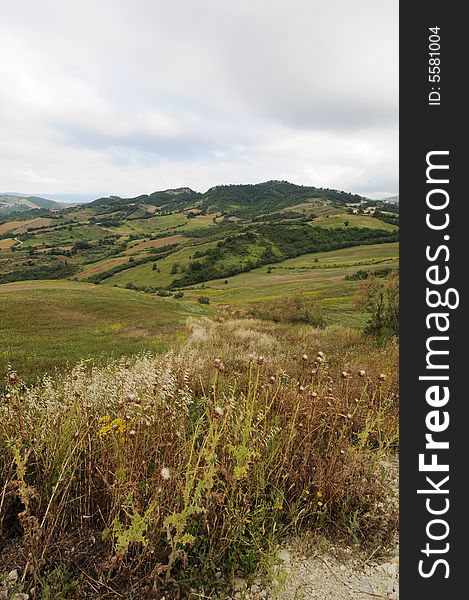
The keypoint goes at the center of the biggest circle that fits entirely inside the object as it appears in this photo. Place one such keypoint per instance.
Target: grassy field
(7, 243)
(339, 220)
(48, 325)
(173, 475)
(91, 321)
(101, 265)
(22, 226)
(145, 275)
(59, 237)
(324, 280)
(137, 247)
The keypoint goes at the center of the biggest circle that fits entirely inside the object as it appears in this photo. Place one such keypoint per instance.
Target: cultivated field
(53, 325)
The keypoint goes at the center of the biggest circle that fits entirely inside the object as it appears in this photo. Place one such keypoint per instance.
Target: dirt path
(326, 576)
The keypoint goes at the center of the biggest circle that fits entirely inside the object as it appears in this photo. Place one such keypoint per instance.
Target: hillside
(10, 203)
(189, 380)
(227, 230)
(392, 199)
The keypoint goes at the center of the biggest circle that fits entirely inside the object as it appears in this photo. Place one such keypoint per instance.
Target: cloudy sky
(130, 96)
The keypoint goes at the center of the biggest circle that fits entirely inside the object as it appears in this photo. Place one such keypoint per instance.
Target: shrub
(293, 308)
(203, 300)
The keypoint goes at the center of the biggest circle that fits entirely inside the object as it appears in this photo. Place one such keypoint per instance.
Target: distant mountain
(19, 203)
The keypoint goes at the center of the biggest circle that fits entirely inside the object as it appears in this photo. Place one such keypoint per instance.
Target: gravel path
(326, 577)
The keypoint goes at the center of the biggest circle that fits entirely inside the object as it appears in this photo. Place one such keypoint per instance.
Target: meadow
(323, 280)
(172, 474)
(207, 376)
(48, 326)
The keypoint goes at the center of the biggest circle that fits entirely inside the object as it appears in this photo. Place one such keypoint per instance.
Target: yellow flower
(319, 503)
(319, 494)
(118, 425)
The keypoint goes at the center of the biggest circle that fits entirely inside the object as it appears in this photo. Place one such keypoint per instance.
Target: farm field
(324, 280)
(145, 275)
(49, 325)
(22, 226)
(339, 220)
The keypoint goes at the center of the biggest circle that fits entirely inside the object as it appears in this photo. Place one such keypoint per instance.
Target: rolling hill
(181, 238)
(10, 203)
(120, 275)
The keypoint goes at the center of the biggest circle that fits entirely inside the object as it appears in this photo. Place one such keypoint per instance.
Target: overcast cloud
(130, 96)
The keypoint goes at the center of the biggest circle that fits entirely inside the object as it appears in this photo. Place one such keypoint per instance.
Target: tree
(380, 299)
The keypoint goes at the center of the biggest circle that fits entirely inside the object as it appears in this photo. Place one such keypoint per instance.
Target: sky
(121, 97)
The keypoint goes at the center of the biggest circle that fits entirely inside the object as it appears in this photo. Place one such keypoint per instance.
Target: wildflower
(319, 494)
(319, 503)
(382, 376)
(132, 432)
(165, 473)
(314, 394)
(362, 372)
(260, 360)
(219, 412)
(272, 379)
(301, 388)
(305, 357)
(321, 355)
(344, 374)
(12, 378)
(218, 365)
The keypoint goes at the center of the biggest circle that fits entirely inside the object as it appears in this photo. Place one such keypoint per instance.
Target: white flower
(219, 411)
(165, 473)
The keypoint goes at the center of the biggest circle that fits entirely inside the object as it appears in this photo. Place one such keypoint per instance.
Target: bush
(380, 299)
(294, 308)
(203, 300)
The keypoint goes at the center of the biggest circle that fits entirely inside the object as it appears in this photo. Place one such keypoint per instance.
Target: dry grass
(158, 243)
(165, 474)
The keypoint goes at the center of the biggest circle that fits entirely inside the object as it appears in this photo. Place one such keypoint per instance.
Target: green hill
(10, 203)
